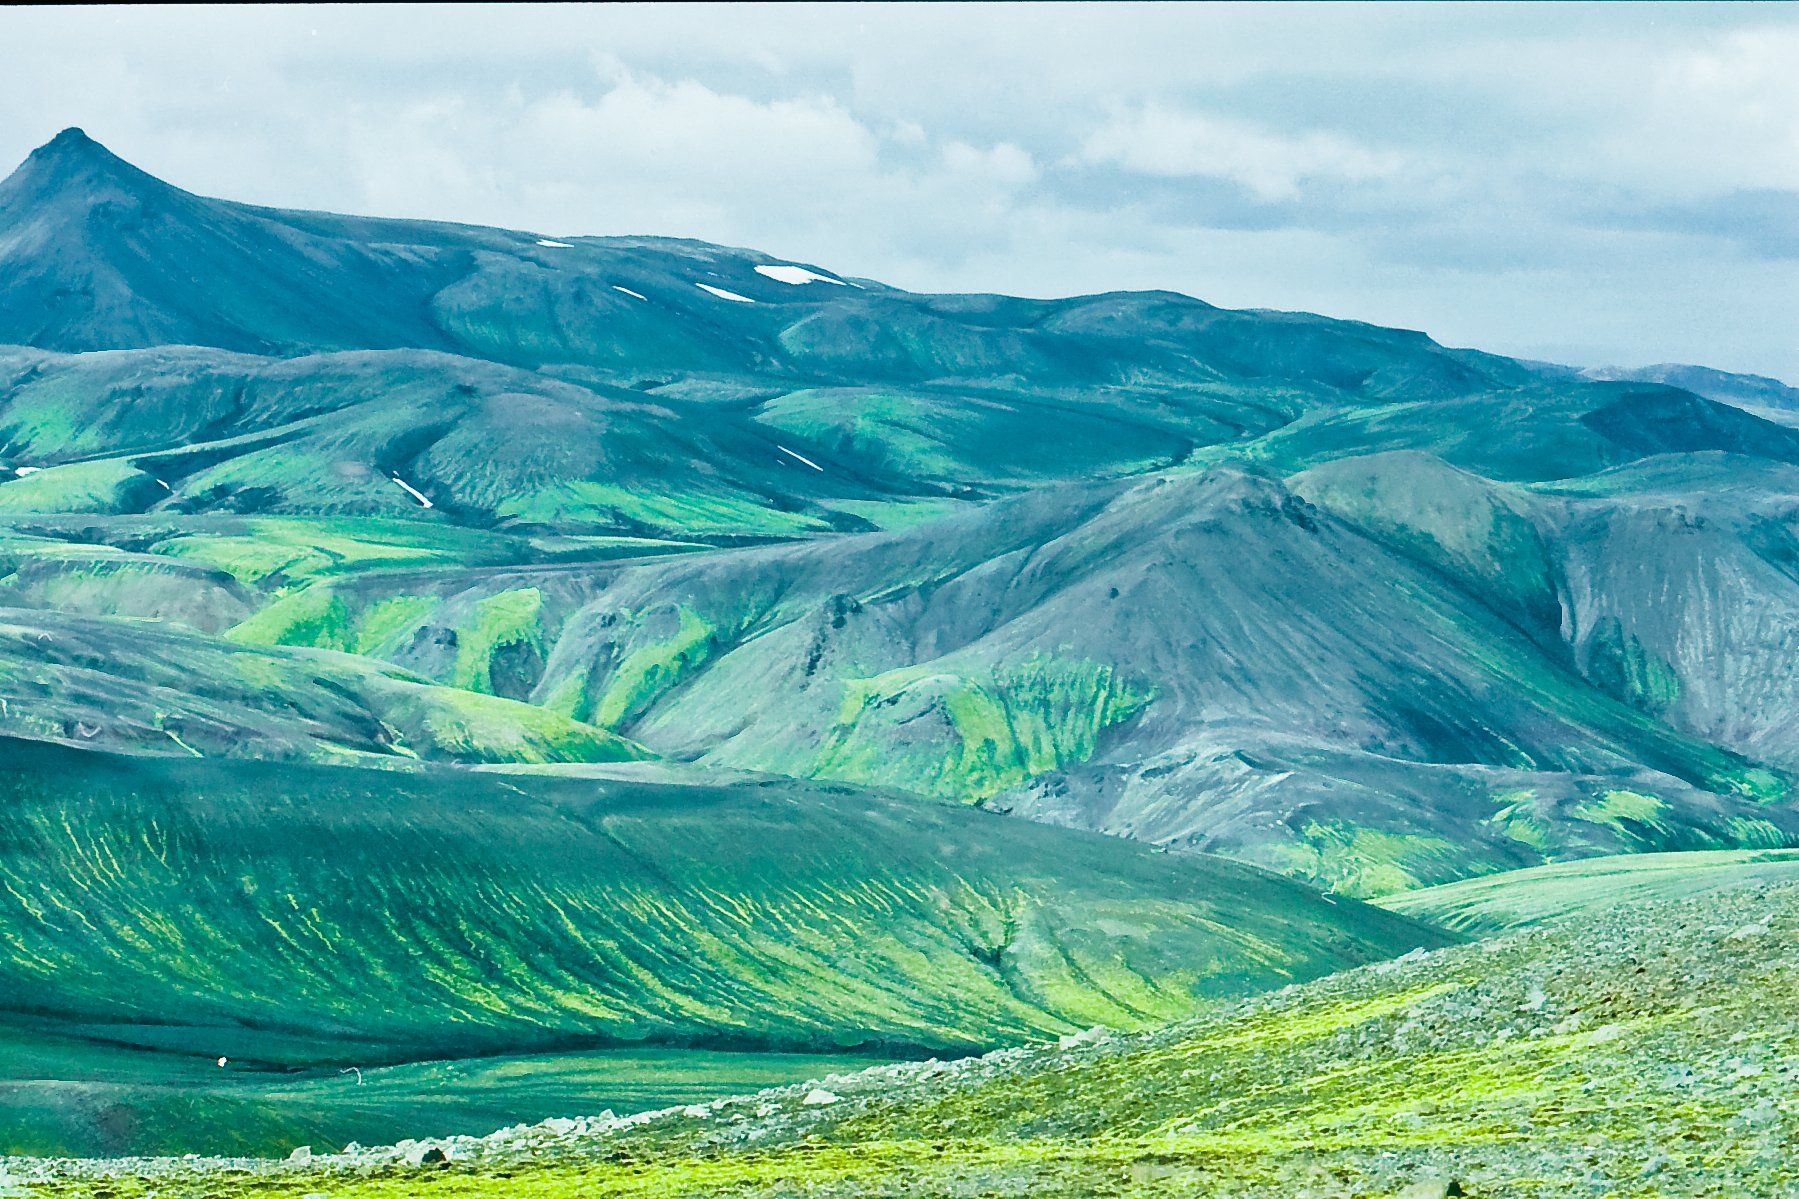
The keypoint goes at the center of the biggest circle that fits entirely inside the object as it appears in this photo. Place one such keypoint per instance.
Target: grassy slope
(1561, 890)
(1370, 723)
(1641, 1052)
(153, 688)
(292, 916)
(62, 1093)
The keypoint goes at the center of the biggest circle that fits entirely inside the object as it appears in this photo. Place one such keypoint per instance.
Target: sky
(1599, 185)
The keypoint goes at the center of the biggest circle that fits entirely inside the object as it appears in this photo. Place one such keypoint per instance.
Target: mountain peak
(74, 136)
(73, 161)
(74, 147)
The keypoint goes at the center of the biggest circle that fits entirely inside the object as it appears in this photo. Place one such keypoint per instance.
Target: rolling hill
(292, 917)
(1640, 1051)
(1572, 890)
(1384, 684)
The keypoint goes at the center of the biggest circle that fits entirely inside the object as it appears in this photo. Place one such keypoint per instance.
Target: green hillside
(1569, 890)
(1206, 660)
(157, 689)
(289, 916)
(1641, 1052)
(73, 1091)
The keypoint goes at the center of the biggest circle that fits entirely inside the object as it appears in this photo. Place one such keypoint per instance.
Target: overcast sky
(1596, 185)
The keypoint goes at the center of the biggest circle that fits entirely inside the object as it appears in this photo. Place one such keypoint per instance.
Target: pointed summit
(74, 163)
(73, 140)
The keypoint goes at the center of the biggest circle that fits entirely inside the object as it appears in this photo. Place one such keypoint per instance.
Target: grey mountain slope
(1670, 583)
(1206, 660)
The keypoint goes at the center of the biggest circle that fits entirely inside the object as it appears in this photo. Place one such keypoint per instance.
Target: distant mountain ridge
(1748, 390)
(1326, 596)
(116, 258)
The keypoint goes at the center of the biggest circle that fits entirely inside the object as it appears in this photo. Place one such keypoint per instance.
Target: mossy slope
(445, 913)
(1640, 1052)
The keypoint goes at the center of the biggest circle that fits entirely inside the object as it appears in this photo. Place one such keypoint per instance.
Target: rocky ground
(1649, 1051)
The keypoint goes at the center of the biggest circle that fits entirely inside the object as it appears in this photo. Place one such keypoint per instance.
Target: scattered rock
(818, 1097)
(1404, 959)
(301, 1156)
(1432, 1188)
(1089, 1036)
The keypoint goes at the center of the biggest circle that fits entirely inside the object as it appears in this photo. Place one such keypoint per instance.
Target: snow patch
(22, 471)
(722, 294)
(165, 487)
(801, 458)
(554, 245)
(635, 295)
(414, 492)
(796, 275)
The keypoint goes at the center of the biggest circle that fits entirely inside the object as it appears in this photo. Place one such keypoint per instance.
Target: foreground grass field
(1645, 1051)
(63, 1092)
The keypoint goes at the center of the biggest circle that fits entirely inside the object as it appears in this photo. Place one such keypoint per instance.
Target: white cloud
(1158, 140)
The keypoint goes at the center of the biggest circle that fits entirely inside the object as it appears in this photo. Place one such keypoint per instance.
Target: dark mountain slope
(95, 254)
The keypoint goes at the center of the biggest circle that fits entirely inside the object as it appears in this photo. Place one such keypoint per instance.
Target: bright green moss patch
(1366, 862)
(501, 621)
(265, 550)
(1619, 663)
(648, 670)
(898, 513)
(1633, 814)
(320, 617)
(657, 509)
(314, 616)
(970, 738)
(109, 485)
(1517, 819)
(386, 619)
(1758, 783)
(1752, 833)
(473, 727)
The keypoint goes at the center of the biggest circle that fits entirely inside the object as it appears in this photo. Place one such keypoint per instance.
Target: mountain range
(627, 629)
